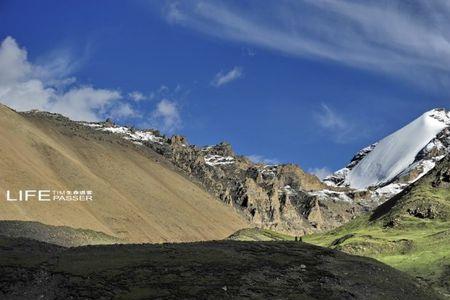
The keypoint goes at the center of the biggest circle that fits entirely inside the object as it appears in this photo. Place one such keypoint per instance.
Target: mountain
(388, 166)
(149, 187)
(138, 195)
(410, 231)
(121, 185)
(206, 270)
(280, 197)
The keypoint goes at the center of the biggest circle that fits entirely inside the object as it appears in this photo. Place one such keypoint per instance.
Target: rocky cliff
(280, 197)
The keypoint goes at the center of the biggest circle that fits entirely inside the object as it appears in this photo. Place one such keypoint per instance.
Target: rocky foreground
(208, 270)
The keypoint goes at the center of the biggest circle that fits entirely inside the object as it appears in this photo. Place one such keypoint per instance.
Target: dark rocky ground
(58, 235)
(207, 270)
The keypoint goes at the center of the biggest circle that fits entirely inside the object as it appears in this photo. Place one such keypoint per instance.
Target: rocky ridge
(279, 197)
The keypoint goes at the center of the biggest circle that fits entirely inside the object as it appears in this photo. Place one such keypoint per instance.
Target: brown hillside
(138, 196)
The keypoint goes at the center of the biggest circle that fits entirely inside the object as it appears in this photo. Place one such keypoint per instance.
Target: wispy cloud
(401, 38)
(223, 78)
(338, 126)
(256, 158)
(329, 119)
(321, 173)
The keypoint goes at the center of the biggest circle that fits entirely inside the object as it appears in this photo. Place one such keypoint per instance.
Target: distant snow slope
(397, 151)
(399, 159)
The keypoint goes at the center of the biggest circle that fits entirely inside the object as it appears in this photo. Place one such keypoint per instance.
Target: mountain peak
(381, 162)
(440, 114)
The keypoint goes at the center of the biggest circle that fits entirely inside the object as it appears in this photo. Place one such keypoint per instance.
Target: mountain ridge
(138, 195)
(280, 197)
(391, 164)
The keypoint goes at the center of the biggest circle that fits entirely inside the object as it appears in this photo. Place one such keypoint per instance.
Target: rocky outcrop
(279, 197)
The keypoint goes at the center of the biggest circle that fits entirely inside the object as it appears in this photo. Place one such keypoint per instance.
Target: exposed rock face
(426, 198)
(279, 197)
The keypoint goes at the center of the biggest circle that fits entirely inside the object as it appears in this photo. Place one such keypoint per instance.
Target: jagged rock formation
(279, 197)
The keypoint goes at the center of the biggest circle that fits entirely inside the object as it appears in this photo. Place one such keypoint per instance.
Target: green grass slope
(410, 232)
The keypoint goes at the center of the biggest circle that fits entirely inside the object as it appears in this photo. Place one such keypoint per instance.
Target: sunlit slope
(410, 231)
(137, 195)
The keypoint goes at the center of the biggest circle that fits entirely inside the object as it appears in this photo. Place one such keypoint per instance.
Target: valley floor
(204, 270)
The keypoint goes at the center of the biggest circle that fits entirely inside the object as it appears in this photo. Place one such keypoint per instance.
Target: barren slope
(137, 195)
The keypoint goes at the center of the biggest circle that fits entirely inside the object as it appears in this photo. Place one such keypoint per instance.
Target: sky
(308, 82)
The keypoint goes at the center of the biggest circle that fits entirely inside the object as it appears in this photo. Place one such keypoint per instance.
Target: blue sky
(308, 82)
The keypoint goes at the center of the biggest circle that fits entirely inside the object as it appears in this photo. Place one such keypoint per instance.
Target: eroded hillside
(138, 196)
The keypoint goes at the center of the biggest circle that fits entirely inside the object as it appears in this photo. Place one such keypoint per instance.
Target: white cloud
(26, 86)
(136, 96)
(167, 115)
(321, 173)
(263, 160)
(13, 62)
(222, 78)
(123, 110)
(84, 103)
(26, 95)
(49, 87)
(402, 38)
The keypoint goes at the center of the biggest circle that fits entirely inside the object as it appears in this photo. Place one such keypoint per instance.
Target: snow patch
(390, 190)
(119, 129)
(145, 136)
(95, 125)
(288, 190)
(397, 151)
(128, 134)
(217, 160)
(328, 194)
(269, 170)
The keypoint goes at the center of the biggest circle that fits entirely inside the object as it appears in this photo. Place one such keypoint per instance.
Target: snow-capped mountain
(400, 158)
